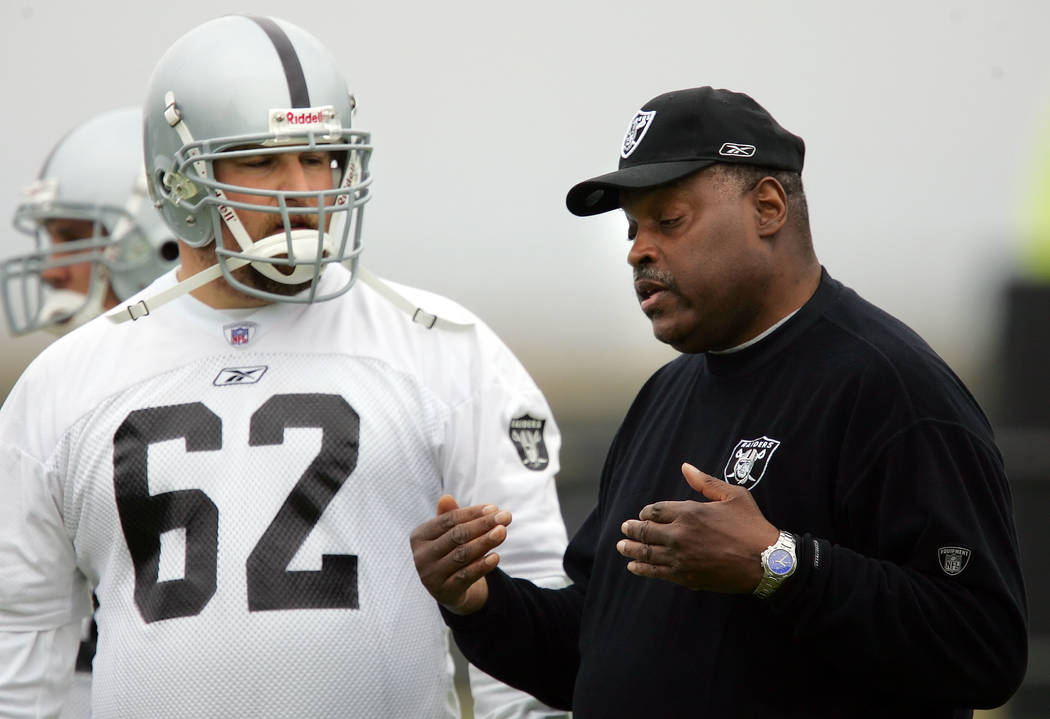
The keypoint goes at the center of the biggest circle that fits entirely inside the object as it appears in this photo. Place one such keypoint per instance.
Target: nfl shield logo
(636, 131)
(239, 334)
(953, 559)
(526, 432)
(749, 461)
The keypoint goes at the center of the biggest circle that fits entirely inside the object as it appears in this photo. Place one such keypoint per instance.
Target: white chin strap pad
(73, 306)
(77, 308)
(306, 247)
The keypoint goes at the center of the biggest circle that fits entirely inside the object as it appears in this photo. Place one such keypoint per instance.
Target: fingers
(450, 574)
(449, 515)
(460, 535)
(646, 531)
(711, 487)
(647, 560)
(647, 543)
(453, 550)
(645, 553)
(446, 504)
(662, 512)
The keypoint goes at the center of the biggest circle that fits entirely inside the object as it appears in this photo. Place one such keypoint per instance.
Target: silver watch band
(782, 553)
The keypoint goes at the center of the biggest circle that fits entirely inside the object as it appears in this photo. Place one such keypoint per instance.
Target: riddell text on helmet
(305, 118)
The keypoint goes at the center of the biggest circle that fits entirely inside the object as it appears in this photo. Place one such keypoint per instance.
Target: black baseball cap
(680, 132)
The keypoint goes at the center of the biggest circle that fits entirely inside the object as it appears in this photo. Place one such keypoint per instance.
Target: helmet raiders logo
(526, 432)
(640, 124)
(749, 461)
(953, 559)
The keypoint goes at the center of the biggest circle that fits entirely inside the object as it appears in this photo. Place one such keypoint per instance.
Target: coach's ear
(770, 206)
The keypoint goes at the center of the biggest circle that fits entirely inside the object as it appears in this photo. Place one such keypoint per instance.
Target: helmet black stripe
(293, 70)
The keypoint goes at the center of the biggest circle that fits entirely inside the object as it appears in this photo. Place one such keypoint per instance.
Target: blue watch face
(780, 562)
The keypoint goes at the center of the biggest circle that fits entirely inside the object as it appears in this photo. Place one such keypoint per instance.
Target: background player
(236, 471)
(97, 238)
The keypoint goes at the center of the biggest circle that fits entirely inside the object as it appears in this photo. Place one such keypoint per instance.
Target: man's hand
(715, 546)
(452, 556)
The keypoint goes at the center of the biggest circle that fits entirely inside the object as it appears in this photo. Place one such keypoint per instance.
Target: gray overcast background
(921, 121)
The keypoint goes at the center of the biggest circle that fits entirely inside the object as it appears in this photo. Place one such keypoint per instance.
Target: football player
(235, 457)
(97, 238)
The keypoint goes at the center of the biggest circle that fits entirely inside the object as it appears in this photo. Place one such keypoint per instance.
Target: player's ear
(770, 206)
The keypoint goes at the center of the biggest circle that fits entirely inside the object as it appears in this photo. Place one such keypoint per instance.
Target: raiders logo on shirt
(749, 461)
(526, 432)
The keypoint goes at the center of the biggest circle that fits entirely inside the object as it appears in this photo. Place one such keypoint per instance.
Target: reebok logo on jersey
(636, 131)
(239, 333)
(735, 149)
(526, 432)
(749, 461)
(239, 375)
(953, 559)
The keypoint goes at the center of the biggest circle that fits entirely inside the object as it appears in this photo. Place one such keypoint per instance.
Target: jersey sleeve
(930, 598)
(503, 449)
(504, 446)
(37, 671)
(43, 596)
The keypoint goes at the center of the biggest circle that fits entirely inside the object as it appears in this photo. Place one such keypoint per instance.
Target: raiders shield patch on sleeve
(526, 432)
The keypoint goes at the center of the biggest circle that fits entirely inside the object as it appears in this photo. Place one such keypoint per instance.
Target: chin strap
(145, 307)
(418, 314)
(75, 307)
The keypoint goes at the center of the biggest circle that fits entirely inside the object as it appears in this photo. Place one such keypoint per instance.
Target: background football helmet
(248, 86)
(94, 173)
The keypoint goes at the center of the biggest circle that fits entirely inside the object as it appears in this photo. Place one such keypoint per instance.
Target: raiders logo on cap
(636, 131)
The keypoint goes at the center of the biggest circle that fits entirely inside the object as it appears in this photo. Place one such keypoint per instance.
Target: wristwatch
(778, 563)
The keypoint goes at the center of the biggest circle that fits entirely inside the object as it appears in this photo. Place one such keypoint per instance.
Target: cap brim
(601, 194)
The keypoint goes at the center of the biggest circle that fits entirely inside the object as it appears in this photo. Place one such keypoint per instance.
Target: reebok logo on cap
(735, 149)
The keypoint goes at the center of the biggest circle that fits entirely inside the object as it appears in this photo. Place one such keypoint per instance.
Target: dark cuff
(811, 556)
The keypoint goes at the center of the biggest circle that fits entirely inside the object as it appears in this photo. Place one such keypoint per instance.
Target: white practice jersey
(238, 488)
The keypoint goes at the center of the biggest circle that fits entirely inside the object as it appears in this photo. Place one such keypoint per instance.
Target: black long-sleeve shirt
(908, 600)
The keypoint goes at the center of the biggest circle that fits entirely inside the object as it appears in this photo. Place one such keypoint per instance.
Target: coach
(848, 549)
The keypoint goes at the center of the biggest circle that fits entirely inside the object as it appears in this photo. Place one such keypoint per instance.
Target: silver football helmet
(242, 86)
(95, 173)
